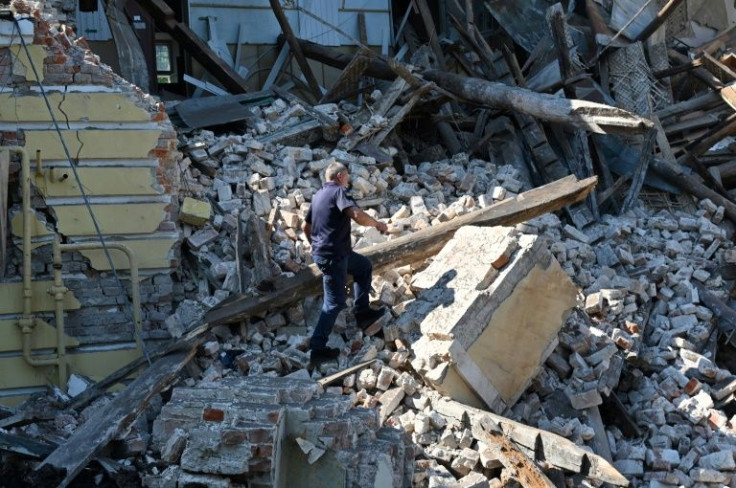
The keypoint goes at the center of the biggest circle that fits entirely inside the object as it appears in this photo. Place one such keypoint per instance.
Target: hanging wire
(73, 165)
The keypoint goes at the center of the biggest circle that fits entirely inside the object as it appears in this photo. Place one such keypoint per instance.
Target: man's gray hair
(334, 169)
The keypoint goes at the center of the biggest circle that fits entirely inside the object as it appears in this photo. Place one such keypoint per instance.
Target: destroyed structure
(557, 181)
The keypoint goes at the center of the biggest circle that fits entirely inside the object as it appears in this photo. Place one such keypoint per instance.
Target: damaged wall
(125, 150)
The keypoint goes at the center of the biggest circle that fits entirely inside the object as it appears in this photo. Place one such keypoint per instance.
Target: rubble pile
(239, 174)
(623, 377)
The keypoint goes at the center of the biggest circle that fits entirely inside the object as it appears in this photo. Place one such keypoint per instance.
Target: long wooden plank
(555, 449)
(71, 457)
(414, 247)
(524, 468)
(4, 176)
(194, 45)
(595, 117)
(296, 48)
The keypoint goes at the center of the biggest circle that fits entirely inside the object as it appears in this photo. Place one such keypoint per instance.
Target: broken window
(164, 63)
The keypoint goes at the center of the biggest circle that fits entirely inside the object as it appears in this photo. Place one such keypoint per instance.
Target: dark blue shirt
(330, 224)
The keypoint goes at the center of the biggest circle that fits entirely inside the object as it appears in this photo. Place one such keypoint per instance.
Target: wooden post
(595, 117)
(660, 19)
(296, 48)
(4, 175)
(414, 247)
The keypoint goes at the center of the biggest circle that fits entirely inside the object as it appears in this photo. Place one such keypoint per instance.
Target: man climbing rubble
(327, 227)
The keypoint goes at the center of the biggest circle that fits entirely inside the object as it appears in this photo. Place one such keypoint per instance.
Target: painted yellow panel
(104, 181)
(93, 144)
(72, 107)
(44, 336)
(38, 53)
(25, 375)
(95, 365)
(129, 218)
(38, 229)
(11, 298)
(151, 253)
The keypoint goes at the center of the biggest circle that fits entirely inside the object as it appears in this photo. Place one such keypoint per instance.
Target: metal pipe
(28, 322)
(132, 266)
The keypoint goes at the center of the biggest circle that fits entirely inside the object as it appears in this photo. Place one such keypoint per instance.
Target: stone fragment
(195, 212)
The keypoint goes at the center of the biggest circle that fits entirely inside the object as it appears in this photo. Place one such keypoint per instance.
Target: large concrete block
(497, 300)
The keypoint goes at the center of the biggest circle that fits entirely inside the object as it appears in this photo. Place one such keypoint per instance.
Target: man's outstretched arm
(362, 218)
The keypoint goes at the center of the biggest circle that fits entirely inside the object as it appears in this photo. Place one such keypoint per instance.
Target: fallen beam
(71, 457)
(691, 184)
(377, 68)
(552, 448)
(595, 117)
(195, 46)
(414, 247)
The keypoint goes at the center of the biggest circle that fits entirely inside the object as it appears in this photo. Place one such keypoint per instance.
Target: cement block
(195, 212)
(479, 289)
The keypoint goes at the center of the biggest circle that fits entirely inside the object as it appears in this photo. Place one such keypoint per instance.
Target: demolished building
(558, 276)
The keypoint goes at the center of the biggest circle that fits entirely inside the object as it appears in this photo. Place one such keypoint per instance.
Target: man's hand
(366, 220)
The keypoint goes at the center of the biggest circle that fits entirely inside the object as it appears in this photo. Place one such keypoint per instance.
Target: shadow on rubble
(437, 296)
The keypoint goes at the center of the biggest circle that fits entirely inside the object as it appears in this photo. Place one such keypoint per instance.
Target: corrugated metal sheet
(315, 31)
(260, 25)
(93, 25)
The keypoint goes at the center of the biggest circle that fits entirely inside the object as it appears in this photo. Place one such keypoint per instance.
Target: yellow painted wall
(127, 218)
(11, 298)
(96, 365)
(38, 229)
(93, 144)
(151, 253)
(44, 336)
(72, 107)
(38, 53)
(121, 218)
(101, 181)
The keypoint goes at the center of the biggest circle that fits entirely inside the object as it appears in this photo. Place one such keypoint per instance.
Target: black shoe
(367, 321)
(322, 354)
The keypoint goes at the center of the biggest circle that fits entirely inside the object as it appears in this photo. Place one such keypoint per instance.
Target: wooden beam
(296, 48)
(524, 469)
(377, 68)
(700, 73)
(4, 176)
(434, 42)
(195, 46)
(551, 448)
(693, 185)
(414, 247)
(595, 117)
(637, 180)
(72, 456)
(658, 20)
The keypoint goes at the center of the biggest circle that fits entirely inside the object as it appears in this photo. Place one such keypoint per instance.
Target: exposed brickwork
(245, 428)
(106, 314)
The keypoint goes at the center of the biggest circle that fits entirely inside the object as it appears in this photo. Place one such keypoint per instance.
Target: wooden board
(414, 247)
(71, 457)
(4, 176)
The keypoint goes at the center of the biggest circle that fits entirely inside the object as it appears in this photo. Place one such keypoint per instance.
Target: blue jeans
(335, 273)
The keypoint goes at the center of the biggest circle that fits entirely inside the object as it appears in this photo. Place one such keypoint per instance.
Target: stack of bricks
(267, 431)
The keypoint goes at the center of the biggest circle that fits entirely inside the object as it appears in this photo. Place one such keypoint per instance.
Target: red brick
(213, 415)
(692, 387)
